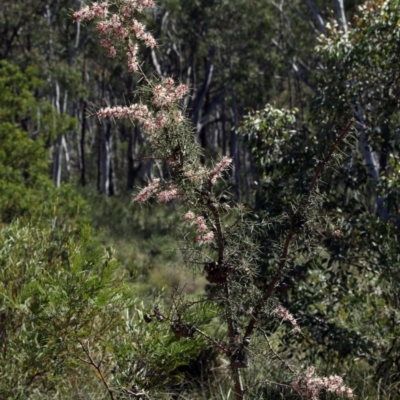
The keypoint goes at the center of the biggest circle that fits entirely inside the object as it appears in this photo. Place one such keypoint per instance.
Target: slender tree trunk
(246, 175)
(235, 145)
(201, 94)
(57, 150)
(98, 139)
(371, 162)
(317, 16)
(132, 171)
(57, 162)
(83, 117)
(341, 14)
(106, 169)
(82, 145)
(130, 182)
(65, 148)
(224, 134)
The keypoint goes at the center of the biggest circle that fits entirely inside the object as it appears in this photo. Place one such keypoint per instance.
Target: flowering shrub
(310, 385)
(224, 245)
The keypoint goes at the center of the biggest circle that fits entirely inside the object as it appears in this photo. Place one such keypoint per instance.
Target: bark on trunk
(371, 162)
(106, 169)
(82, 145)
(341, 14)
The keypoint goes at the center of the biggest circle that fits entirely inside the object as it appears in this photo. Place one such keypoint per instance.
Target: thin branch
(220, 346)
(90, 361)
(275, 353)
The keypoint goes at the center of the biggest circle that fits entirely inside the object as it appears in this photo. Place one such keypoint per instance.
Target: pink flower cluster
(113, 26)
(139, 5)
(168, 195)
(164, 196)
(285, 314)
(201, 224)
(146, 192)
(106, 43)
(201, 228)
(167, 93)
(310, 386)
(140, 33)
(100, 10)
(87, 13)
(189, 216)
(219, 168)
(133, 64)
(207, 238)
(138, 112)
(196, 175)
(117, 26)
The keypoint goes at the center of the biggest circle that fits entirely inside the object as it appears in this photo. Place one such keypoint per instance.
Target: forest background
(272, 84)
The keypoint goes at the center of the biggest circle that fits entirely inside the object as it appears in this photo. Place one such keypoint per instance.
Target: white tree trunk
(341, 15)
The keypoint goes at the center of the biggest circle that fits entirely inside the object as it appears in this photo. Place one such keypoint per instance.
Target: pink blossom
(348, 392)
(149, 40)
(121, 32)
(146, 192)
(310, 386)
(219, 168)
(139, 112)
(161, 120)
(201, 224)
(168, 195)
(104, 27)
(189, 216)
(285, 314)
(208, 237)
(84, 14)
(141, 34)
(128, 11)
(178, 117)
(138, 28)
(146, 3)
(166, 94)
(132, 58)
(141, 4)
(149, 125)
(100, 10)
(114, 112)
(161, 96)
(180, 91)
(169, 83)
(110, 48)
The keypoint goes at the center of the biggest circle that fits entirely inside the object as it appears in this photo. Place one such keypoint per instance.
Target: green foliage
(25, 127)
(57, 295)
(278, 148)
(359, 78)
(64, 309)
(345, 296)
